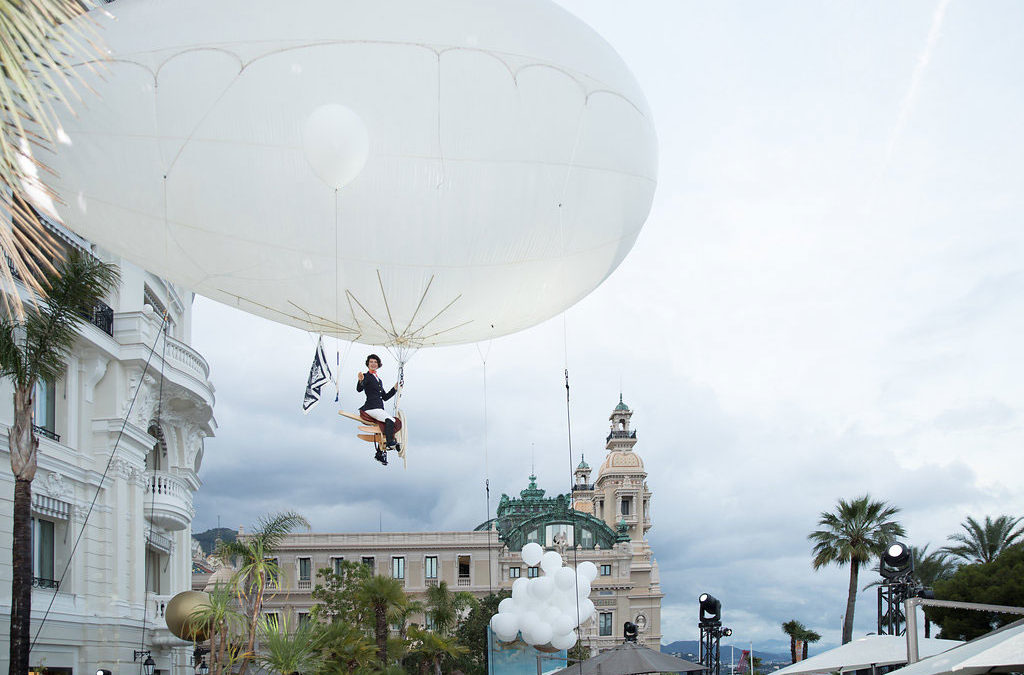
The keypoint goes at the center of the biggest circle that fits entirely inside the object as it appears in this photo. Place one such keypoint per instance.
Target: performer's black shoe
(393, 445)
(381, 457)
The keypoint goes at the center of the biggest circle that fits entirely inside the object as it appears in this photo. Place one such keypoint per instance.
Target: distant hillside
(208, 539)
(690, 647)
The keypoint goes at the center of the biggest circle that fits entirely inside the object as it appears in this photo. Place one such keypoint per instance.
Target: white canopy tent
(999, 651)
(873, 650)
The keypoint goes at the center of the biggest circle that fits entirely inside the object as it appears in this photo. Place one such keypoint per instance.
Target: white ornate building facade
(605, 522)
(120, 448)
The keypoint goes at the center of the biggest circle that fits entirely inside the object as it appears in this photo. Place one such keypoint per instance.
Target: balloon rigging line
(99, 485)
(160, 446)
(487, 470)
(419, 304)
(387, 307)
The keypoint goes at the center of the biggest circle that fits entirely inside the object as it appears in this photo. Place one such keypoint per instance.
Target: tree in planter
(257, 571)
(34, 350)
(856, 532)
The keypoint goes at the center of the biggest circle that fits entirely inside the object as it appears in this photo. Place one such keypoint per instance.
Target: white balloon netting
(546, 609)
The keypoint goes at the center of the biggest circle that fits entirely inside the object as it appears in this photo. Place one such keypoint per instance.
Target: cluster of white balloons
(548, 608)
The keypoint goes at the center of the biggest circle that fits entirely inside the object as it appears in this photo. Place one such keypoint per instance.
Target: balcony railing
(101, 316)
(431, 582)
(463, 581)
(168, 501)
(40, 582)
(305, 584)
(42, 431)
(582, 487)
(620, 434)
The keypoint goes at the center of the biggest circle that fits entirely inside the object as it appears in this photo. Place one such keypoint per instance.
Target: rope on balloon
(572, 508)
(487, 468)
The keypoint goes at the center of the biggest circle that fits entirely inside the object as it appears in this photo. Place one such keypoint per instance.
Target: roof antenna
(533, 463)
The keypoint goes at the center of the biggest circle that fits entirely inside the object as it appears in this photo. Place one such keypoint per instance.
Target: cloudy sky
(827, 300)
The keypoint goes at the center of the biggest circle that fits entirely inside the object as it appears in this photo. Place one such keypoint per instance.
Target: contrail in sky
(907, 105)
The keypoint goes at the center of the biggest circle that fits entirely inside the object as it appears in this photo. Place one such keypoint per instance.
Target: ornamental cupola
(583, 489)
(621, 437)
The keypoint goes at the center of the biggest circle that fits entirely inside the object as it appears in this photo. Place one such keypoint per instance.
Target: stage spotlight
(726, 632)
(896, 561)
(710, 607)
(629, 631)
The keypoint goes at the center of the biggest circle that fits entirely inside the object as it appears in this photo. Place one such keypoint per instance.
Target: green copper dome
(583, 463)
(621, 405)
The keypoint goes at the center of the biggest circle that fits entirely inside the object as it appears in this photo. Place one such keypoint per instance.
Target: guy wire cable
(161, 447)
(99, 486)
(487, 469)
(572, 508)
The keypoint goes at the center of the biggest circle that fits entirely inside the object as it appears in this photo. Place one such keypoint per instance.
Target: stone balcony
(168, 501)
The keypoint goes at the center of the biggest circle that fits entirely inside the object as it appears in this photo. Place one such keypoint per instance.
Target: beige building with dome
(605, 522)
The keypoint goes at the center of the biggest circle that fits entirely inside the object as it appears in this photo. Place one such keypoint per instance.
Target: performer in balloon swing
(370, 384)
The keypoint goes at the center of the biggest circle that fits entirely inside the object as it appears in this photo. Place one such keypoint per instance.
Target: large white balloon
(532, 554)
(414, 173)
(507, 606)
(551, 562)
(587, 570)
(541, 588)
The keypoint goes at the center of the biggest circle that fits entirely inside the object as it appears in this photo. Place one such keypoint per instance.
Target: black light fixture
(149, 665)
(199, 662)
(710, 608)
(726, 632)
(896, 561)
(202, 668)
(629, 631)
(103, 671)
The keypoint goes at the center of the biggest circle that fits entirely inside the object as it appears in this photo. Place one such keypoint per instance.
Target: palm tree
(345, 649)
(446, 607)
(983, 543)
(855, 533)
(286, 652)
(258, 569)
(807, 637)
(381, 595)
(434, 647)
(227, 627)
(34, 350)
(39, 40)
(793, 629)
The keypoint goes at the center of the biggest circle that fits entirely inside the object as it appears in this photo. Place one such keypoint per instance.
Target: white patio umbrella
(999, 651)
(873, 650)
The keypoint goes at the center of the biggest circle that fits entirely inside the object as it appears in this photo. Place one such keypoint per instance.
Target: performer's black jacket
(375, 395)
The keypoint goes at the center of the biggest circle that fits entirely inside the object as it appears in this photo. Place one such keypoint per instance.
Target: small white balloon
(520, 588)
(507, 606)
(550, 562)
(505, 626)
(564, 623)
(588, 570)
(532, 553)
(336, 143)
(565, 578)
(582, 587)
(587, 609)
(542, 634)
(564, 640)
(541, 588)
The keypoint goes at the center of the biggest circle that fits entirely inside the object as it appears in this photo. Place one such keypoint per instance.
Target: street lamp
(149, 665)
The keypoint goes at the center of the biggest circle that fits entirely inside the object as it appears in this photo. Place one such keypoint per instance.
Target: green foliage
(381, 595)
(227, 628)
(579, 653)
(336, 596)
(446, 607)
(436, 649)
(983, 543)
(284, 651)
(1000, 582)
(258, 571)
(472, 633)
(345, 648)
